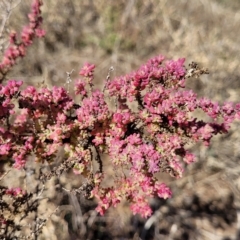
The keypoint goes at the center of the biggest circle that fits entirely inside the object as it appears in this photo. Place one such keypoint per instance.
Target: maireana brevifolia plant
(144, 132)
(18, 45)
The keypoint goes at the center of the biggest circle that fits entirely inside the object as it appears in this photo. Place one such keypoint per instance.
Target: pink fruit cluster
(18, 46)
(15, 192)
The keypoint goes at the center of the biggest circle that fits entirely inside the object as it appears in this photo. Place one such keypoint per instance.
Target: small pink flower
(141, 207)
(162, 190)
(5, 148)
(15, 192)
(87, 70)
(61, 118)
(189, 158)
(79, 87)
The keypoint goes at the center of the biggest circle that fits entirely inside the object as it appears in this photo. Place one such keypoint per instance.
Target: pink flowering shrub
(141, 141)
(18, 46)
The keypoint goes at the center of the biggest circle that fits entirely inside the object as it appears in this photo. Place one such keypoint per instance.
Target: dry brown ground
(123, 34)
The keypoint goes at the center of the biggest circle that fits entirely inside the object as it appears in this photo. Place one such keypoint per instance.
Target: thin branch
(5, 174)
